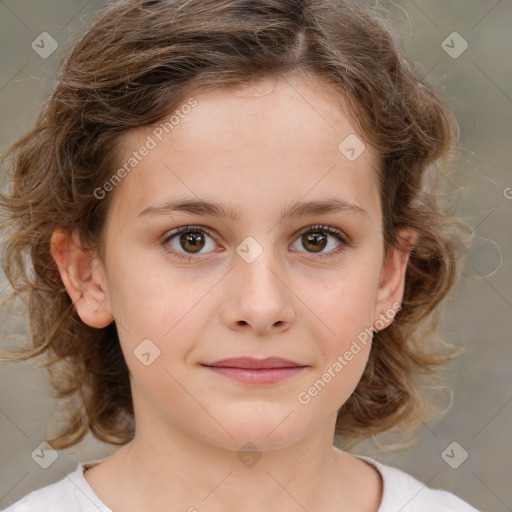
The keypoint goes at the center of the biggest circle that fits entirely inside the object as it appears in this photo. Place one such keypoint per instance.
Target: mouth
(248, 370)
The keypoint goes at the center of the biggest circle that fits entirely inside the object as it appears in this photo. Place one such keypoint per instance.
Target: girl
(235, 254)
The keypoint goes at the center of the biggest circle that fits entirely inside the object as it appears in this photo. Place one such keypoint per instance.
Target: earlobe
(392, 282)
(81, 274)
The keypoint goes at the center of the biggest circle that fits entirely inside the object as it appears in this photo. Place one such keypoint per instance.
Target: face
(262, 279)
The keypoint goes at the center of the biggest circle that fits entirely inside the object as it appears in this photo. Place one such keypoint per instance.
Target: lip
(249, 370)
(253, 363)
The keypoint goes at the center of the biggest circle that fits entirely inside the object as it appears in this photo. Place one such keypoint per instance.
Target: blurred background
(463, 48)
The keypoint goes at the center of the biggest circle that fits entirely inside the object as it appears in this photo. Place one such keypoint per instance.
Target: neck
(165, 468)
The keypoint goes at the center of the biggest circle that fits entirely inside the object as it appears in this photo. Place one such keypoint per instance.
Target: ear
(392, 279)
(83, 276)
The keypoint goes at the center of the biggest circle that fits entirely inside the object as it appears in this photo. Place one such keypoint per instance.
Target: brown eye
(314, 242)
(316, 239)
(189, 241)
(192, 241)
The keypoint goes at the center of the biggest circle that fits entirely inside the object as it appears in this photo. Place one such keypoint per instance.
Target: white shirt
(401, 493)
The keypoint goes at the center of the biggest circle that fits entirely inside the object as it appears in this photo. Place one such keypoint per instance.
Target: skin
(256, 150)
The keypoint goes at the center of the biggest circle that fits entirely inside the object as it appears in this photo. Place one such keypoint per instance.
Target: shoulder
(403, 492)
(70, 493)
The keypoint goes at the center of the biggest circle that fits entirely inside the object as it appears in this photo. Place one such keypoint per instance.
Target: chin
(265, 432)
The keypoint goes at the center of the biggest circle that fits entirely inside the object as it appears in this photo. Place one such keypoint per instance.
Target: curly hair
(136, 63)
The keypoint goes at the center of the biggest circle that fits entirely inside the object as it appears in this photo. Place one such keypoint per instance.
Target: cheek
(145, 296)
(347, 300)
(342, 357)
(167, 308)
(337, 376)
(346, 307)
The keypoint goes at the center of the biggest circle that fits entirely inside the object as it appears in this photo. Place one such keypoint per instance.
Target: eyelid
(343, 239)
(175, 232)
(331, 230)
(189, 227)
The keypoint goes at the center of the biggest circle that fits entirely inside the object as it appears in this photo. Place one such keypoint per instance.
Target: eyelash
(317, 228)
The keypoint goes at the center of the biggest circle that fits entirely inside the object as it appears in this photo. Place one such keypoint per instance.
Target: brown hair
(138, 62)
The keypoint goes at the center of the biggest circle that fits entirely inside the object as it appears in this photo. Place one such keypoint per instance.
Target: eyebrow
(298, 209)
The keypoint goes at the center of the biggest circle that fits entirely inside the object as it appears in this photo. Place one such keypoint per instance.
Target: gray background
(478, 315)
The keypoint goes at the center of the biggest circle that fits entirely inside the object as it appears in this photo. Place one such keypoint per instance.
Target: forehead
(278, 110)
(279, 138)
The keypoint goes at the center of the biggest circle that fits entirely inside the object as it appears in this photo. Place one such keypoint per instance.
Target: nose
(258, 298)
